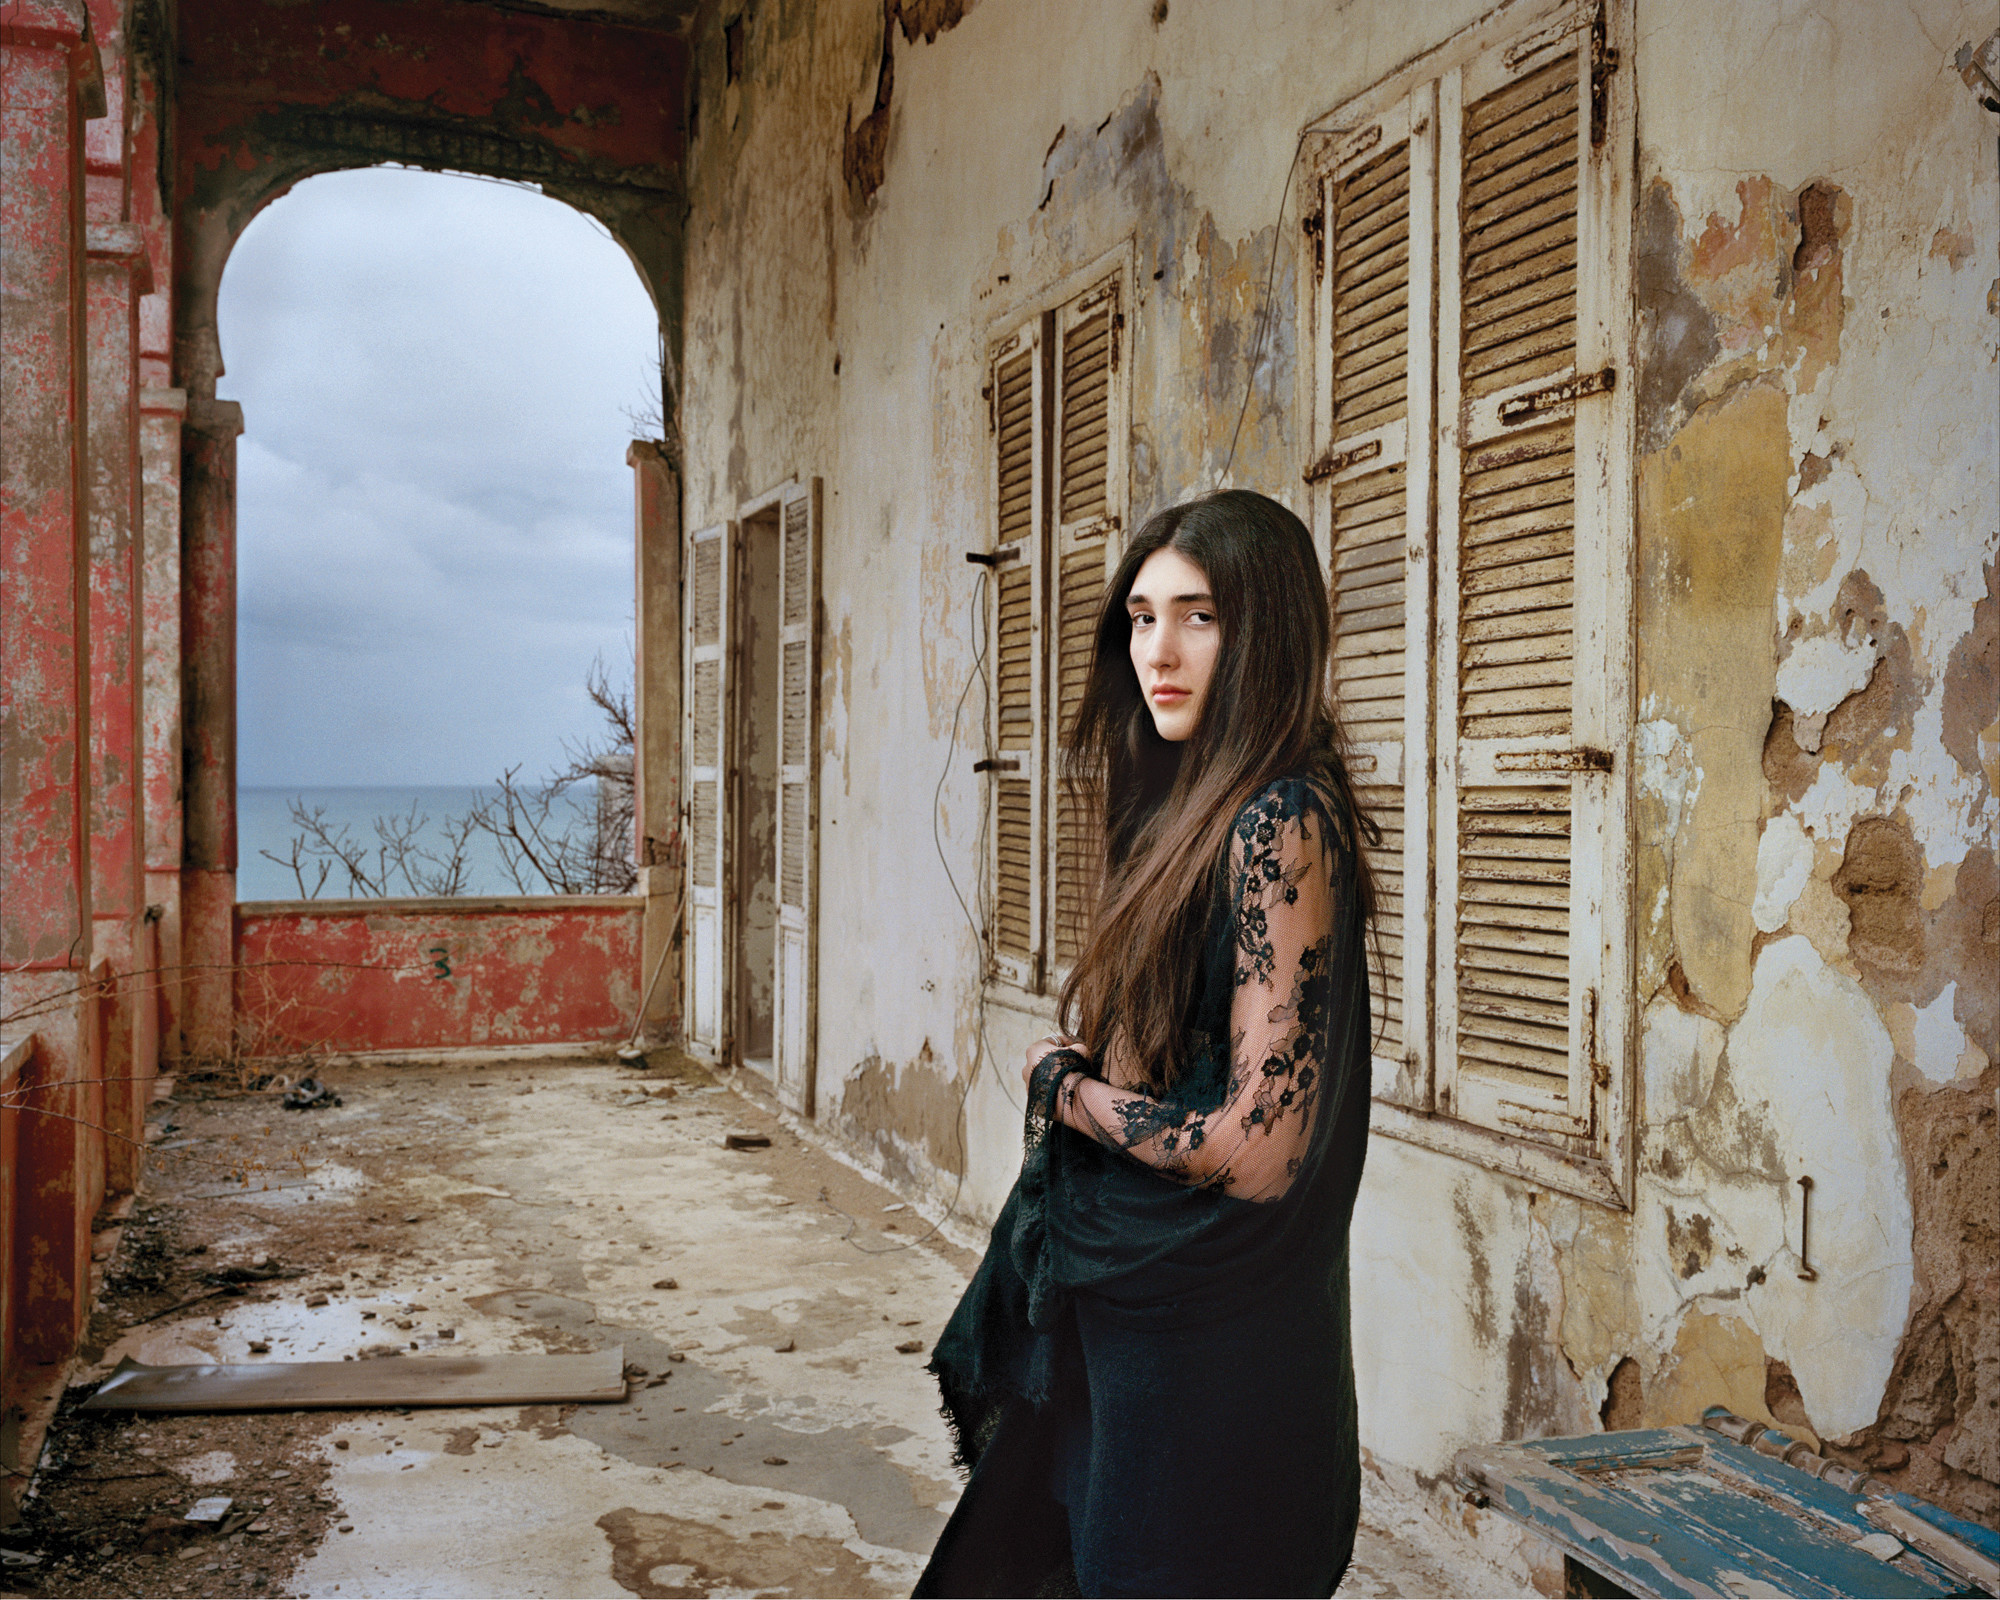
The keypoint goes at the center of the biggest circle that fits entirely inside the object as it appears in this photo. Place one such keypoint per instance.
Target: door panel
(797, 796)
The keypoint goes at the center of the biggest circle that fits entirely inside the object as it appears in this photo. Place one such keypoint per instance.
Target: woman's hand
(1042, 1047)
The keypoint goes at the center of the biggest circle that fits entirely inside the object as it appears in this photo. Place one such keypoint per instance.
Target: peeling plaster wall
(1820, 913)
(1815, 771)
(838, 324)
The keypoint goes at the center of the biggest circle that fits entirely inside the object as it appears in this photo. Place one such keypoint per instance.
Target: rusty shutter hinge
(1002, 764)
(1603, 62)
(1526, 407)
(1314, 227)
(1117, 336)
(1580, 760)
(1600, 1069)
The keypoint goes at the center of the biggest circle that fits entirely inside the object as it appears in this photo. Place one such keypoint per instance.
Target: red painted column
(13, 1057)
(49, 83)
(656, 763)
(160, 413)
(208, 732)
(161, 408)
(119, 274)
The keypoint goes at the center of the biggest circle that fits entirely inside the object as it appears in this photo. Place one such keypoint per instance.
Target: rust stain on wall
(1711, 529)
(905, 1116)
(1677, 336)
(1972, 690)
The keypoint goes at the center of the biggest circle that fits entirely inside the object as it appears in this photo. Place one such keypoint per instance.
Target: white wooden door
(798, 797)
(709, 789)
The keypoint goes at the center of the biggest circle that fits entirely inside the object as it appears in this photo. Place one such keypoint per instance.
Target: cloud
(434, 512)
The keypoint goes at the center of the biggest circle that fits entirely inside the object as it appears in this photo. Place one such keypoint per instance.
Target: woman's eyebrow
(1179, 600)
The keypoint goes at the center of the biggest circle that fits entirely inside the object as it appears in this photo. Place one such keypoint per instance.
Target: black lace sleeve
(1252, 1144)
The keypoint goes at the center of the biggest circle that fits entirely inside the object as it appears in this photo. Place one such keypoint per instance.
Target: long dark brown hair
(1166, 808)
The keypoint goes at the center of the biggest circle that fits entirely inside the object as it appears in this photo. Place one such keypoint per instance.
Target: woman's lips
(1168, 693)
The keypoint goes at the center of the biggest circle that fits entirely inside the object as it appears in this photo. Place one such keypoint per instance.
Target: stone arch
(640, 221)
(590, 108)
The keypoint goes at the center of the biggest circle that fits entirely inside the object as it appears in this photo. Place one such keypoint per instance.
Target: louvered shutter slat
(1081, 594)
(1019, 429)
(706, 748)
(1087, 468)
(795, 948)
(705, 603)
(706, 836)
(1370, 313)
(1084, 433)
(1014, 853)
(1514, 573)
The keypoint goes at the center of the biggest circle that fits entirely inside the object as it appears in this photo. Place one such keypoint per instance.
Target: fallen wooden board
(384, 1381)
(1687, 1511)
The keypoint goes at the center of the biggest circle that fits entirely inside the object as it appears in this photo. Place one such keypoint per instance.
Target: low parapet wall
(358, 976)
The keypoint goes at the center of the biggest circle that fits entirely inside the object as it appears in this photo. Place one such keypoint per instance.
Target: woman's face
(1175, 640)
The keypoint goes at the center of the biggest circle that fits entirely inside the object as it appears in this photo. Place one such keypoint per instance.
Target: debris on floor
(769, 1437)
(309, 1094)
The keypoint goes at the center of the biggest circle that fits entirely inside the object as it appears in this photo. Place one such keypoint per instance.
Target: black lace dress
(1150, 1377)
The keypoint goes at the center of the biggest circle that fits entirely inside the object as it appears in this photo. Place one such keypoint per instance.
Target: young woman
(1150, 1377)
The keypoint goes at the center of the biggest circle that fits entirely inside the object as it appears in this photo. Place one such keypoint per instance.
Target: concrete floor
(776, 1441)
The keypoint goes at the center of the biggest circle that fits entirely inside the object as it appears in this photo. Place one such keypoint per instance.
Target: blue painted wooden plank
(1604, 1532)
(1794, 1550)
(1985, 1540)
(1683, 1511)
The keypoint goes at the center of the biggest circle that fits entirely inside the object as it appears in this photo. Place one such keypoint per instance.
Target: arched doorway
(589, 110)
(439, 378)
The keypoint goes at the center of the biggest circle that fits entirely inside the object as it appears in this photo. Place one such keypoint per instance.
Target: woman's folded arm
(1252, 1144)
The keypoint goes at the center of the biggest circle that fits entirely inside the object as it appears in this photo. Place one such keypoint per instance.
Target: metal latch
(1004, 764)
(1553, 761)
(1525, 407)
(1333, 462)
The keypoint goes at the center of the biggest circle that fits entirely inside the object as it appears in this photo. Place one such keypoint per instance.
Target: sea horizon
(264, 824)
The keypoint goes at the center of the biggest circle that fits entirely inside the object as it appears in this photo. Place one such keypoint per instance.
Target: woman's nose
(1160, 651)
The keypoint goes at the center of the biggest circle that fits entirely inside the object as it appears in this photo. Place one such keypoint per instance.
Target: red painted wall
(435, 974)
(605, 96)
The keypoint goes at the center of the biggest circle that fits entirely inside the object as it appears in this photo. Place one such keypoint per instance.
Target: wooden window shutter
(707, 743)
(1534, 533)
(1019, 412)
(1090, 478)
(798, 795)
(1373, 473)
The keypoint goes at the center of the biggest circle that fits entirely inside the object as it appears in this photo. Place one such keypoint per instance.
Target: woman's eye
(1201, 616)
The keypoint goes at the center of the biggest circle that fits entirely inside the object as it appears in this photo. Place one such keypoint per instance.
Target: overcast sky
(434, 512)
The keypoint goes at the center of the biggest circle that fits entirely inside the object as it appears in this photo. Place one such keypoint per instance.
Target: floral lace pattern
(1242, 1119)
